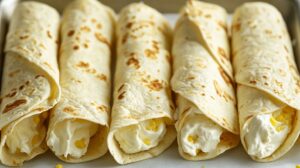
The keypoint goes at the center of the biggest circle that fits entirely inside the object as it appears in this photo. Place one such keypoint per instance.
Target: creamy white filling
(262, 138)
(140, 137)
(27, 135)
(199, 133)
(72, 137)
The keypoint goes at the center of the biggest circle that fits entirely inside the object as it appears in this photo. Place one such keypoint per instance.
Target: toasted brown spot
(124, 38)
(24, 37)
(71, 33)
(101, 38)
(224, 76)
(103, 108)
(217, 88)
(207, 15)
(49, 34)
(252, 82)
(134, 62)
(85, 45)
(150, 54)
(286, 48)
(98, 26)
(85, 28)
(202, 94)
(266, 84)
(190, 78)
(14, 105)
(187, 109)
(121, 87)
(12, 94)
(13, 73)
(269, 32)
(21, 87)
(101, 77)
(76, 47)
(82, 64)
(38, 76)
(221, 51)
(155, 85)
(265, 77)
(222, 24)
(236, 27)
(128, 25)
(68, 110)
(121, 96)
(93, 20)
(227, 96)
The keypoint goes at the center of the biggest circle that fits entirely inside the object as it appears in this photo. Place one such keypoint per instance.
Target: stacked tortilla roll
(268, 82)
(78, 125)
(207, 125)
(30, 82)
(142, 124)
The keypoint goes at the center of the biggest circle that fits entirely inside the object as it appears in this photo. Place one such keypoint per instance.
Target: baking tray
(235, 158)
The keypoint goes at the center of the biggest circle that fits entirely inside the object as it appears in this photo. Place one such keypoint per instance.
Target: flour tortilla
(141, 90)
(87, 36)
(30, 82)
(199, 80)
(265, 69)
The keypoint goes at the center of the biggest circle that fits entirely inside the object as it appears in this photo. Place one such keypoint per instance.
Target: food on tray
(207, 125)
(78, 125)
(142, 125)
(29, 83)
(268, 88)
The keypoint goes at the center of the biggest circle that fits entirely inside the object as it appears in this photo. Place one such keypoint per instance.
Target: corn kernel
(147, 141)
(153, 125)
(273, 121)
(280, 128)
(297, 166)
(80, 143)
(59, 166)
(192, 139)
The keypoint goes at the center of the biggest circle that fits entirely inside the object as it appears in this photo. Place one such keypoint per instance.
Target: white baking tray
(235, 158)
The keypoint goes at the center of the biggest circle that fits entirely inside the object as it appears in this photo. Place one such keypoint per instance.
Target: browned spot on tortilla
(227, 96)
(202, 94)
(252, 82)
(128, 25)
(49, 34)
(82, 64)
(24, 37)
(222, 24)
(190, 78)
(286, 48)
(21, 87)
(150, 54)
(224, 76)
(14, 105)
(76, 80)
(76, 47)
(85, 45)
(155, 85)
(207, 16)
(103, 108)
(124, 38)
(187, 109)
(85, 28)
(121, 96)
(266, 84)
(68, 109)
(12, 94)
(99, 26)
(134, 62)
(27, 83)
(38, 76)
(71, 33)
(13, 73)
(93, 20)
(39, 109)
(121, 87)
(236, 27)
(221, 51)
(101, 77)
(48, 65)
(269, 32)
(265, 77)
(217, 88)
(101, 38)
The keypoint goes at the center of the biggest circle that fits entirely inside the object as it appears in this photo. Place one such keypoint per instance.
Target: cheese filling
(199, 134)
(140, 137)
(72, 137)
(266, 132)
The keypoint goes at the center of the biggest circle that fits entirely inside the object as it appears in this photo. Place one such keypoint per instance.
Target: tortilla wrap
(203, 88)
(268, 88)
(79, 122)
(142, 95)
(30, 82)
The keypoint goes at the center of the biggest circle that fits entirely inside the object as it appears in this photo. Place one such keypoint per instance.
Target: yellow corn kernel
(280, 128)
(147, 141)
(192, 139)
(153, 125)
(59, 166)
(297, 166)
(36, 119)
(80, 143)
(273, 121)
(35, 139)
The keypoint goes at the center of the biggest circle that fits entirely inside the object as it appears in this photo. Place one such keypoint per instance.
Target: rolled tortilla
(79, 122)
(268, 82)
(142, 115)
(207, 125)
(29, 83)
